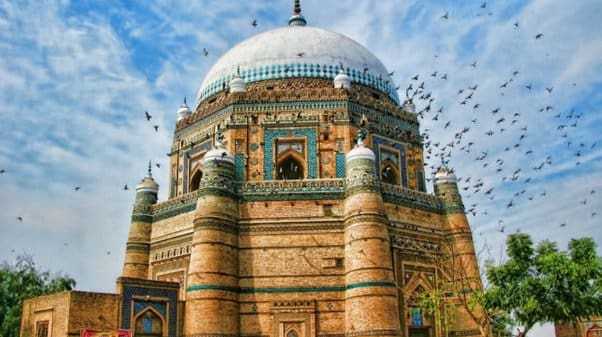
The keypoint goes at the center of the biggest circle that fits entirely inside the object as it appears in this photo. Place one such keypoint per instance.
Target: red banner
(106, 333)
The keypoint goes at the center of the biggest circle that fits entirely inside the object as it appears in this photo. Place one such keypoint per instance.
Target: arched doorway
(148, 324)
(195, 180)
(389, 174)
(289, 168)
(594, 331)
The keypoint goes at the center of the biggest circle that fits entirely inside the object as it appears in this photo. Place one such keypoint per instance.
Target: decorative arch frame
(144, 311)
(390, 174)
(593, 330)
(389, 160)
(295, 154)
(290, 156)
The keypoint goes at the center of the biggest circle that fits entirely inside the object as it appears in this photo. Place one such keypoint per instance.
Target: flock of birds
(496, 126)
(506, 122)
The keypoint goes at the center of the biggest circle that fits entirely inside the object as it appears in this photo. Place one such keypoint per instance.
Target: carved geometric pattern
(315, 189)
(268, 161)
(300, 70)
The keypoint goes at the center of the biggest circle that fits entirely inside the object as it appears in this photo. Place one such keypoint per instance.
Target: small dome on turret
(238, 84)
(218, 153)
(342, 80)
(148, 184)
(360, 151)
(183, 111)
(445, 175)
(409, 106)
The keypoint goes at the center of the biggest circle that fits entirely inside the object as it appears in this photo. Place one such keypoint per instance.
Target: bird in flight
(3, 171)
(205, 52)
(538, 36)
(125, 187)
(445, 16)
(516, 25)
(474, 64)
(148, 116)
(300, 54)
(254, 23)
(156, 127)
(77, 188)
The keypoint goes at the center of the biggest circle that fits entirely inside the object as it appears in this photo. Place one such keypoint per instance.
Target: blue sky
(77, 76)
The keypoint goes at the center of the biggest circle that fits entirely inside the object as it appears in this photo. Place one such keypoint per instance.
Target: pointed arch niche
(389, 165)
(149, 323)
(291, 158)
(196, 173)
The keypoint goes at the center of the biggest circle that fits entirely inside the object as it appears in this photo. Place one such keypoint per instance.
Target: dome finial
(150, 170)
(297, 19)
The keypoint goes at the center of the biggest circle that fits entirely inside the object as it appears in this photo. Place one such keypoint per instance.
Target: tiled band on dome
(300, 70)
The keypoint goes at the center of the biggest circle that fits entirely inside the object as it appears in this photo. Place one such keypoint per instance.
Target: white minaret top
(237, 84)
(342, 80)
(360, 151)
(148, 184)
(218, 153)
(445, 175)
(183, 111)
(297, 19)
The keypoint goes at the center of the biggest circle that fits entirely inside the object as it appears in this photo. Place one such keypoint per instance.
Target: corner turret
(212, 283)
(137, 248)
(369, 277)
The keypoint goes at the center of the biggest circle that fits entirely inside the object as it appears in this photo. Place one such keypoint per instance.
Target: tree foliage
(543, 284)
(20, 281)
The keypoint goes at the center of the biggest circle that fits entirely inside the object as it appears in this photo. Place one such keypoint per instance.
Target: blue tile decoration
(421, 185)
(131, 291)
(377, 141)
(239, 166)
(312, 153)
(140, 306)
(340, 164)
(301, 70)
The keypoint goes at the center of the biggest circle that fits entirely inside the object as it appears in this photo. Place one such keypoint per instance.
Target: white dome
(445, 175)
(238, 84)
(342, 80)
(297, 51)
(360, 151)
(409, 106)
(218, 154)
(183, 111)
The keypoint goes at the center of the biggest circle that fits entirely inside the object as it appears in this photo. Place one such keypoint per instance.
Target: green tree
(20, 281)
(543, 284)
